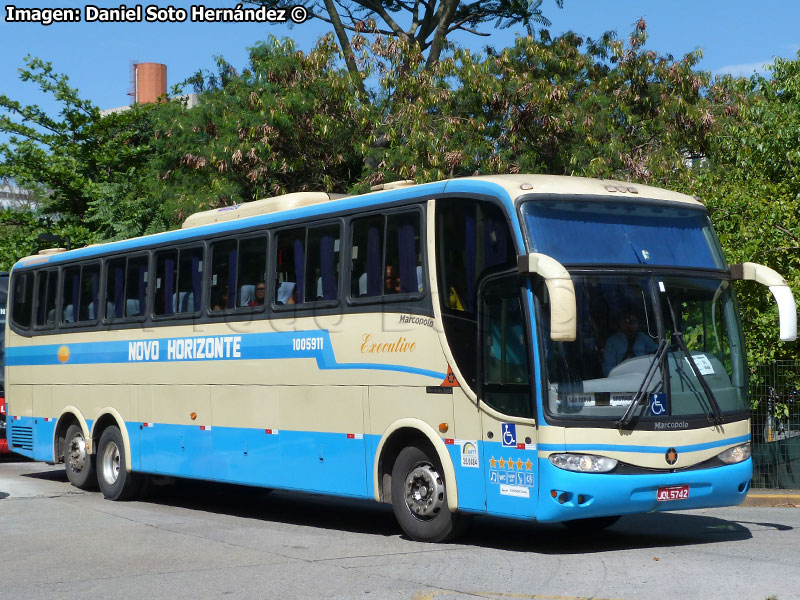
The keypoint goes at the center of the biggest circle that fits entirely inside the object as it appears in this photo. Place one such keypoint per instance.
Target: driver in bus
(628, 342)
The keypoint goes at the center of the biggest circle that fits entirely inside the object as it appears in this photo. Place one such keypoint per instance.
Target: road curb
(785, 498)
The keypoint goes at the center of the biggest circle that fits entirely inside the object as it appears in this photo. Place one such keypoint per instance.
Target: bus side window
(387, 256)
(70, 291)
(403, 255)
(166, 275)
(126, 287)
(473, 239)
(136, 287)
(222, 295)
(190, 280)
(322, 266)
(290, 264)
(115, 288)
(23, 299)
(506, 376)
(89, 306)
(47, 292)
(366, 270)
(250, 275)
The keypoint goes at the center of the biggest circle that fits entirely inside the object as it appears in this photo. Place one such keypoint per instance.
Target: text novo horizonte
(154, 13)
(201, 348)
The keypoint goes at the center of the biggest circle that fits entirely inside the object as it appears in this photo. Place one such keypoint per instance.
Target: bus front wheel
(419, 497)
(78, 463)
(115, 481)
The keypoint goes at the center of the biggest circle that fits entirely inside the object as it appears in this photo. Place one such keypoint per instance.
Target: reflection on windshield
(621, 320)
(578, 232)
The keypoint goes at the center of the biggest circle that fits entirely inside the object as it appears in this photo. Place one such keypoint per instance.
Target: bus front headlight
(734, 455)
(583, 463)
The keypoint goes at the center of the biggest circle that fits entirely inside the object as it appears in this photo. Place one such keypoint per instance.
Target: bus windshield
(611, 233)
(622, 319)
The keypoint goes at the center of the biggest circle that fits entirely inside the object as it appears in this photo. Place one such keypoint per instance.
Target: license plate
(675, 492)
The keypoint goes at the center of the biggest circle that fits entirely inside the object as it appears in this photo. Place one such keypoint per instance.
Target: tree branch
(344, 45)
(447, 9)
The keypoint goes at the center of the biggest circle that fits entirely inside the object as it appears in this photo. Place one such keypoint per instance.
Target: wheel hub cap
(110, 463)
(424, 492)
(76, 453)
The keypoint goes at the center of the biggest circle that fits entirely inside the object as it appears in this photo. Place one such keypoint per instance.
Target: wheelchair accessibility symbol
(658, 404)
(509, 434)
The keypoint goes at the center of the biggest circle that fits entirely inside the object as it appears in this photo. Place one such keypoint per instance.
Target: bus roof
(294, 206)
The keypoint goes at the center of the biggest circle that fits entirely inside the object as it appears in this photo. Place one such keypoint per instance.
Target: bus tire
(115, 481)
(419, 497)
(591, 524)
(79, 465)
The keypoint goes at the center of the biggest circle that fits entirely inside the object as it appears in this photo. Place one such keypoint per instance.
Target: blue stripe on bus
(341, 464)
(253, 346)
(641, 449)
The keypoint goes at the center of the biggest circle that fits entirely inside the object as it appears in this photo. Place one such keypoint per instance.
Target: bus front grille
(22, 437)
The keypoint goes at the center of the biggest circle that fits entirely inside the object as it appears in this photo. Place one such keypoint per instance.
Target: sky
(736, 36)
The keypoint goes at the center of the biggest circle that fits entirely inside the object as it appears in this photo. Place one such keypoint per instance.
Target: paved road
(208, 541)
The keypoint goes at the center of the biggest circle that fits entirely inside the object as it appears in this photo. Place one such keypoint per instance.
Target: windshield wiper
(652, 369)
(715, 416)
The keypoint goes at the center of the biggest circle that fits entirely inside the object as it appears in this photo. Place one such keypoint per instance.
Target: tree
(750, 182)
(91, 167)
(426, 24)
(288, 122)
(603, 108)
(20, 229)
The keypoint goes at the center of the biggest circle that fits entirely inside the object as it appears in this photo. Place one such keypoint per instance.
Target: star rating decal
(511, 464)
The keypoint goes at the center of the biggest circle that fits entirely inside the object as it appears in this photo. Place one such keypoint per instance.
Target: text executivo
(154, 13)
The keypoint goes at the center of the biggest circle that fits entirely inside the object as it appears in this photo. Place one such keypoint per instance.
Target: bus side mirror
(563, 322)
(780, 289)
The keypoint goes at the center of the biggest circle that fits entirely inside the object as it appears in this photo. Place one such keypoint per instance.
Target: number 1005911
(307, 343)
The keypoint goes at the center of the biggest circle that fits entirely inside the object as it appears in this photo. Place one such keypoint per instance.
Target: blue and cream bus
(534, 347)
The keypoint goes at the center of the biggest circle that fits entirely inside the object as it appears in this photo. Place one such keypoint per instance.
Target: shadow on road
(342, 514)
(57, 473)
(11, 457)
(655, 530)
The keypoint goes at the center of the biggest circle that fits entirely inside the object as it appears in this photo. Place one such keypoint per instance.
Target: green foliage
(560, 106)
(751, 185)
(88, 164)
(289, 122)
(21, 227)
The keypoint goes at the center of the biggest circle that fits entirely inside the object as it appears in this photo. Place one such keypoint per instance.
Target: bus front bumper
(565, 495)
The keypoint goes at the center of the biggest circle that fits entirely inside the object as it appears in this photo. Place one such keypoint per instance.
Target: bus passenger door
(506, 400)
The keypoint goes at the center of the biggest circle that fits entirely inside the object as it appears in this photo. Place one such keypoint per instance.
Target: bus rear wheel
(78, 463)
(115, 481)
(419, 497)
